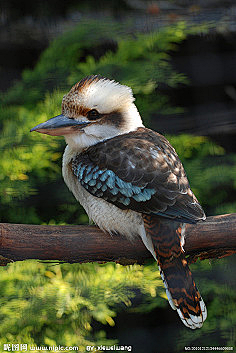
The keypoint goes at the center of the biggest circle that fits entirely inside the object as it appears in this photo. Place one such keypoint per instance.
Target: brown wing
(139, 171)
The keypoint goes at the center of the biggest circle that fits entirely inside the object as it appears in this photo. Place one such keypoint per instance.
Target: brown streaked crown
(96, 92)
(79, 86)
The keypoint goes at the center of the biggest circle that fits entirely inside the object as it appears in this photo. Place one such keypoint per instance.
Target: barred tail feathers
(181, 289)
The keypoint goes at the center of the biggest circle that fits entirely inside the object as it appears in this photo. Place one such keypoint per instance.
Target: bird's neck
(80, 141)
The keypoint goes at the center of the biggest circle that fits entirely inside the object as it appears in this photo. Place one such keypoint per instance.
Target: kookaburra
(130, 181)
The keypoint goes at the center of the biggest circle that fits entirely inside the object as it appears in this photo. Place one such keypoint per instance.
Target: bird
(130, 181)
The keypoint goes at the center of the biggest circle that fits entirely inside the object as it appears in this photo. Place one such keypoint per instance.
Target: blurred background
(179, 58)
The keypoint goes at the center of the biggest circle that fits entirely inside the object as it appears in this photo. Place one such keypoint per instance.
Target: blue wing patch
(106, 184)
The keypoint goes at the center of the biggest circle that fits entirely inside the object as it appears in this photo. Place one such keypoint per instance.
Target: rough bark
(213, 238)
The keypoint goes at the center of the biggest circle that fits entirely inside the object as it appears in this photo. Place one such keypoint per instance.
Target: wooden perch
(213, 238)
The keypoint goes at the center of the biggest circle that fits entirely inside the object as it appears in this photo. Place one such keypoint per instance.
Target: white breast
(107, 216)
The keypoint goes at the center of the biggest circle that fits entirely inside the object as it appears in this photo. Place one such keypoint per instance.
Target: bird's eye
(93, 114)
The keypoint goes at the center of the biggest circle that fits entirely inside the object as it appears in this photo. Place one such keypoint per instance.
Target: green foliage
(210, 170)
(45, 304)
(57, 62)
(143, 64)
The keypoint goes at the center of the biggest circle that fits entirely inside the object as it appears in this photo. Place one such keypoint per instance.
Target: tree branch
(213, 238)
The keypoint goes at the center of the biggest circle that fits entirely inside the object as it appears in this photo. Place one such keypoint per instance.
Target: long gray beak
(60, 125)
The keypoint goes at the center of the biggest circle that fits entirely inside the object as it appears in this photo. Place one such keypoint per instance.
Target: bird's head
(95, 109)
